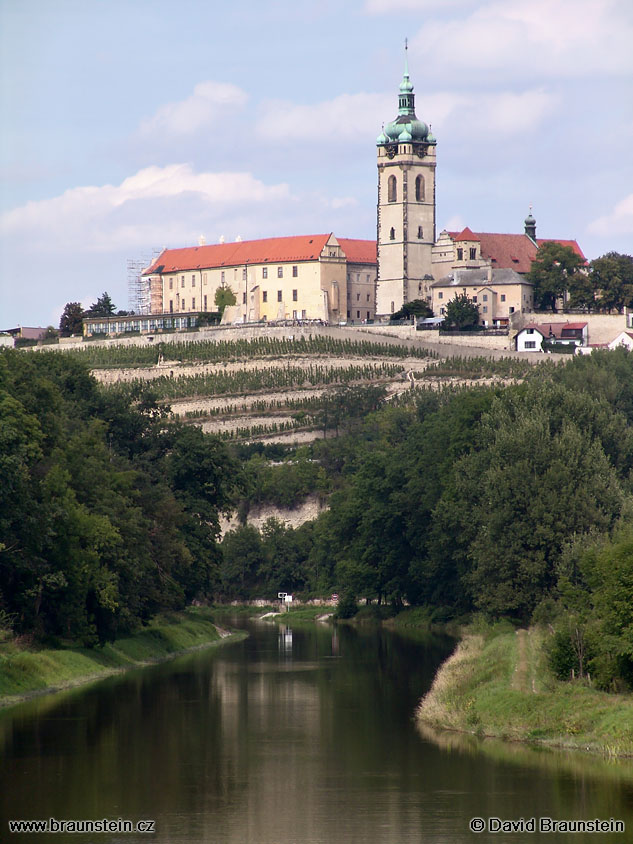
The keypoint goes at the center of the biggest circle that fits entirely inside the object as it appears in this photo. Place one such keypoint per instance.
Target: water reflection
(298, 734)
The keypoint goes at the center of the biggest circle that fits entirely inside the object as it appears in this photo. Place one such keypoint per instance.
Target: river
(292, 736)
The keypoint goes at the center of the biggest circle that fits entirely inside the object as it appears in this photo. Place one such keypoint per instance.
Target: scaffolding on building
(138, 288)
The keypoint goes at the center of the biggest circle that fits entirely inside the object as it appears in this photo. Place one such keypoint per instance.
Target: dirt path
(523, 679)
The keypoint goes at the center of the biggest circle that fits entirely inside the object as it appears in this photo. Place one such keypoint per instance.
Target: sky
(132, 125)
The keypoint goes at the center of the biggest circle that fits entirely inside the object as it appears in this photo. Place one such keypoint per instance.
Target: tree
(461, 313)
(71, 321)
(224, 296)
(552, 272)
(416, 308)
(612, 280)
(103, 307)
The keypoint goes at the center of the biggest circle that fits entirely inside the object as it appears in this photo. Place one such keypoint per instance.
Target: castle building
(306, 277)
(406, 206)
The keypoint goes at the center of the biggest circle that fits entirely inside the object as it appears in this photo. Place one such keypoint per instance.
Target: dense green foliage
(515, 501)
(415, 308)
(605, 284)
(478, 500)
(461, 313)
(108, 513)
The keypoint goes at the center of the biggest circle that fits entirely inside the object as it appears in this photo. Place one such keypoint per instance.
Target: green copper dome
(406, 127)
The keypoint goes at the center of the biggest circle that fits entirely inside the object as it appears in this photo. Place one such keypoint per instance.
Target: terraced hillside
(281, 389)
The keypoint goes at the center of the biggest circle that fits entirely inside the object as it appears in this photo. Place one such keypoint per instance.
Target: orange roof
(269, 250)
(359, 251)
(466, 234)
(513, 251)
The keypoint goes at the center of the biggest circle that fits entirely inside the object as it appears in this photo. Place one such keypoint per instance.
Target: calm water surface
(299, 736)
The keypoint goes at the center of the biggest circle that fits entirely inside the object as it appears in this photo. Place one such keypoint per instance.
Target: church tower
(406, 206)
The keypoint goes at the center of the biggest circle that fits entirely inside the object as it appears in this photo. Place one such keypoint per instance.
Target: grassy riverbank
(497, 683)
(25, 672)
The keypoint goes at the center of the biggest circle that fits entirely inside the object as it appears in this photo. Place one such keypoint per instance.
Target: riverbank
(497, 684)
(27, 672)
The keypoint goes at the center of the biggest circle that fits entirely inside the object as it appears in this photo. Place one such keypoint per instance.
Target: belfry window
(419, 189)
(391, 189)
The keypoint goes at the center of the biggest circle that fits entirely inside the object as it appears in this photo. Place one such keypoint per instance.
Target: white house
(531, 337)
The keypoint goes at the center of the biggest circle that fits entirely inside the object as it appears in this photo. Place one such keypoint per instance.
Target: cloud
(209, 103)
(346, 117)
(619, 221)
(155, 204)
(568, 38)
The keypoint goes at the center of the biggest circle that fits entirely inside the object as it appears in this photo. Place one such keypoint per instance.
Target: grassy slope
(498, 684)
(26, 672)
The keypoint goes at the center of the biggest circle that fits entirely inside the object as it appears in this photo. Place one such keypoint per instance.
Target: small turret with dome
(406, 128)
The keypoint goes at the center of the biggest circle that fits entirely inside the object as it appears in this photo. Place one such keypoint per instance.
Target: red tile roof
(268, 250)
(555, 329)
(359, 251)
(513, 251)
(466, 234)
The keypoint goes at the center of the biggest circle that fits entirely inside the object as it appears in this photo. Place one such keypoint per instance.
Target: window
(357, 314)
(171, 306)
(264, 295)
(294, 295)
(193, 303)
(204, 278)
(368, 279)
(358, 297)
(440, 295)
(294, 314)
(420, 233)
(243, 298)
(222, 276)
(205, 301)
(182, 281)
(473, 253)
(460, 254)
(392, 307)
(193, 279)
(279, 299)
(442, 311)
(529, 331)
(264, 272)
(511, 310)
(171, 284)
(485, 297)
(503, 297)
(419, 189)
(295, 272)
(392, 234)
(391, 189)
(485, 309)
(474, 298)
(529, 344)
(303, 314)
(280, 272)
(368, 297)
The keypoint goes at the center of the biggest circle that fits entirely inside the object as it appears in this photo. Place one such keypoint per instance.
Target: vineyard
(280, 389)
(236, 350)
